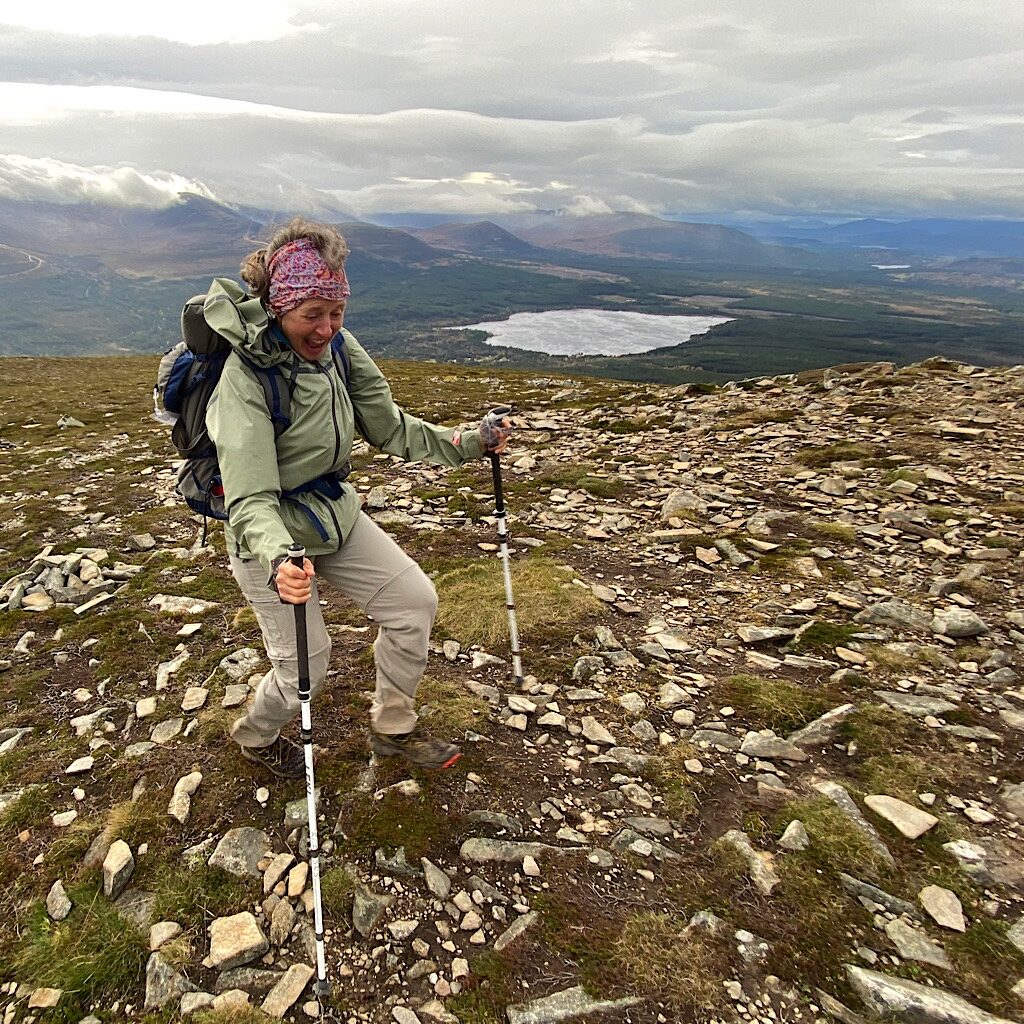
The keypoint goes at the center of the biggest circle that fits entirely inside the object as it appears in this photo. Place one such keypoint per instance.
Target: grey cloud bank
(909, 107)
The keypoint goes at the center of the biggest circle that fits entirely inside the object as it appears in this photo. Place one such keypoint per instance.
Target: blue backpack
(186, 379)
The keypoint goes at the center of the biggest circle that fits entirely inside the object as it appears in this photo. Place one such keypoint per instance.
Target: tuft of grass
(774, 703)
(838, 532)
(906, 775)
(836, 843)
(457, 707)
(684, 969)
(250, 1015)
(808, 923)
(877, 730)
(136, 822)
(884, 657)
(472, 599)
(194, 895)
(92, 955)
(337, 887)
(24, 811)
(825, 636)
(976, 952)
(679, 788)
(819, 456)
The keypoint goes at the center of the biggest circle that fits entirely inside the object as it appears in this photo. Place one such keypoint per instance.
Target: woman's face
(310, 326)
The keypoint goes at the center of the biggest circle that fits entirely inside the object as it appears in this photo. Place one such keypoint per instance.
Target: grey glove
(495, 429)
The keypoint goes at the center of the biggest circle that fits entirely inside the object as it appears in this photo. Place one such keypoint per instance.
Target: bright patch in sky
(593, 332)
(198, 22)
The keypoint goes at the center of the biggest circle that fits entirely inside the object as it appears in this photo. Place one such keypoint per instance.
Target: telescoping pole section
(297, 554)
(497, 415)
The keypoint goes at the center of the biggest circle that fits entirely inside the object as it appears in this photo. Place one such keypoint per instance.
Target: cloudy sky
(746, 107)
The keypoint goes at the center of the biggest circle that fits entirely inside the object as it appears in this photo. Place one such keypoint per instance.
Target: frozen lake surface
(593, 332)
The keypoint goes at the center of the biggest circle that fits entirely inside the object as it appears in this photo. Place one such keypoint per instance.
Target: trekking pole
(322, 988)
(494, 418)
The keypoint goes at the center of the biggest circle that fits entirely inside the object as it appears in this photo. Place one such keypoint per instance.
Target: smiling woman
(284, 481)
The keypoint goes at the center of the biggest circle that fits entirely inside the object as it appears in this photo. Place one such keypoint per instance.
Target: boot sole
(279, 772)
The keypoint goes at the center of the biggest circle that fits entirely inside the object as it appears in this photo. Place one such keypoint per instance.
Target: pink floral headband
(298, 272)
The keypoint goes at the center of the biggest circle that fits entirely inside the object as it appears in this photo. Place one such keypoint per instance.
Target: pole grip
(498, 413)
(297, 555)
(499, 494)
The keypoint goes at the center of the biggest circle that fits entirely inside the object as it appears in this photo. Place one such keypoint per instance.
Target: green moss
(336, 889)
(416, 823)
(877, 730)
(490, 987)
(825, 636)
(988, 965)
(679, 788)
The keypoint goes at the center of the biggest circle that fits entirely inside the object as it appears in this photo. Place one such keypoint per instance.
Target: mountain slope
(482, 238)
(642, 235)
(770, 726)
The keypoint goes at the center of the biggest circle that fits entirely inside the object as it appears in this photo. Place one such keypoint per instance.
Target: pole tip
(322, 989)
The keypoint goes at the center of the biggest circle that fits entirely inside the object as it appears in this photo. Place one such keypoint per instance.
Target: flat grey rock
(959, 623)
(629, 841)
(909, 820)
(242, 663)
(754, 744)
(251, 979)
(515, 930)
(241, 850)
(916, 705)
(368, 908)
(438, 882)
(912, 1003)
(497, 820)
(498, 851)
(912, 944)
(164, 983)
(565, 1005)
(897, 614)
(893, 904)
(821, 731)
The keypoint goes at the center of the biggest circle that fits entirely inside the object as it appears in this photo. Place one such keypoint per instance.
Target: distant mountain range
(927, 237)
(95, 277)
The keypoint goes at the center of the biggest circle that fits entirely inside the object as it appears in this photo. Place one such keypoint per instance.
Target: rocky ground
(766, 765)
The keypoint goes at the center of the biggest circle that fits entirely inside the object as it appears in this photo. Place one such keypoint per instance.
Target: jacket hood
(242, 320)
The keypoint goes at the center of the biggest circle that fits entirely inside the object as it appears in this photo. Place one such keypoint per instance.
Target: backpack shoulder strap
(339, 353)
(277, 392)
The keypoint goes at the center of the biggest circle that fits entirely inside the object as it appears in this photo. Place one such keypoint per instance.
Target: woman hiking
(291, 489)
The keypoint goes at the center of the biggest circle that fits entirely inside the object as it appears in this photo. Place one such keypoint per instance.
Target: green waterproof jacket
(257, 471)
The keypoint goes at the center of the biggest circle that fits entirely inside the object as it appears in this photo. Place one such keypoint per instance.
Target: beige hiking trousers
(376, 574)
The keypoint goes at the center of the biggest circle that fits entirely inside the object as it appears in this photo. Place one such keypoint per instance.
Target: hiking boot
(283, 757)
(417, 747)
